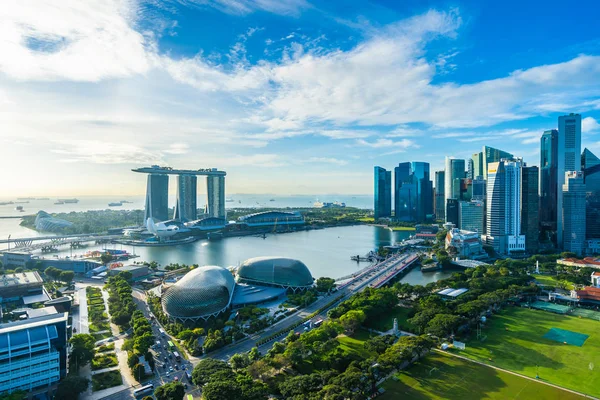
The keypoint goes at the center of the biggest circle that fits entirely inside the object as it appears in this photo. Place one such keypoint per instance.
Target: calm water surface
(326, 252)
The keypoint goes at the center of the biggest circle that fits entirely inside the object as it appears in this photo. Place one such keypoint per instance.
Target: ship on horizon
(67, 201)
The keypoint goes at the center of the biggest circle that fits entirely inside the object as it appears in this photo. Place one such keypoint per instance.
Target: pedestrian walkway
(101, 371)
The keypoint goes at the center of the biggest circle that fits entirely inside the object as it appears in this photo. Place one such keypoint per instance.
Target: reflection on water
(326, 252)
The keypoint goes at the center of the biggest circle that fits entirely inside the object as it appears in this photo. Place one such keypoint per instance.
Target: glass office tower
(215, 190)
(422, 179)
(573, 218)
(439, 194)
(383, 193)
(548, 179)
(455, 171)
(530, 208)
(569, 159)
(590, 164)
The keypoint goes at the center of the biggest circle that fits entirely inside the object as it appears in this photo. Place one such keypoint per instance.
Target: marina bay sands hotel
(157, 193)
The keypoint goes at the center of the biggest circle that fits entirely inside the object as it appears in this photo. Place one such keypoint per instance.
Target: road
(365, 279)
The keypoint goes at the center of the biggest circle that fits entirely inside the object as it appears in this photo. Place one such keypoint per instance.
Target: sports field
(439, 376)
(515, 341)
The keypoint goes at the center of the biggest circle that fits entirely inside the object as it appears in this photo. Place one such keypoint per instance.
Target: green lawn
(549, 280)
(515, 342)
(106, 380)
(439, 376)
(386, 322)
(102, 326)
(355, 343)
(104, 361)
(100, 336)
(402, 228)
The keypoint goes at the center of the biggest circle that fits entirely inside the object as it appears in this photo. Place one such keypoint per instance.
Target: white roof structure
(449, 292)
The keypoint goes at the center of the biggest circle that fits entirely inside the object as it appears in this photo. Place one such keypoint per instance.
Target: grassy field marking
(515, 342)
(456, 378)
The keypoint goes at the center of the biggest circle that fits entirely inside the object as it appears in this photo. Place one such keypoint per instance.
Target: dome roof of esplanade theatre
(201, 293)
(280, 271)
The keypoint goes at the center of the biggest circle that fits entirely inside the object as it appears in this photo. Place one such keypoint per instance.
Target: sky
(287, 96)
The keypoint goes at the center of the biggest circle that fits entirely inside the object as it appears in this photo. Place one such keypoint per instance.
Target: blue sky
(289, 96)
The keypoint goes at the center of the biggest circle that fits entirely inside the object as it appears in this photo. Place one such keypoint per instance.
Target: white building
(568, 159)
(468, 244)
(503, 229)
(573, 213)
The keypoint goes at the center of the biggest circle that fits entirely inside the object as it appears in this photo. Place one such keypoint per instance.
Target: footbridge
(52, 242)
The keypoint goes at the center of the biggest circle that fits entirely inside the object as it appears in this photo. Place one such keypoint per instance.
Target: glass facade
(503, 223)
(470, 216)
(422, 178)
(186, 208)
(529, 208)
(33, 353)
(548, 179)
(215, 189)
(402, 175)
(383, 193)
(568, 159)
(452, 211)
(590, 165)
(439, 194)
(455, 171)
(490, 155)
(574, 212)
(157, 198)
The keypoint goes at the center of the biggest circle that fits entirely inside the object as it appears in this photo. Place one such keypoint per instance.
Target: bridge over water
(29, 244)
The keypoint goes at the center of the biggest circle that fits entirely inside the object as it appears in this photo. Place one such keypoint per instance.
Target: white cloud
(178, 148)
(242, 7)
(388, 144)
(589, 125)
(71, 40)
(101, 152)
(326, 160)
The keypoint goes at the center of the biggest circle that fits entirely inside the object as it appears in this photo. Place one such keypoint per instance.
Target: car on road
(170, 369)
(168, 373)
(177, 367)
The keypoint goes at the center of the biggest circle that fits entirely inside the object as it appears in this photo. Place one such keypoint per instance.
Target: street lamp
(8, 242)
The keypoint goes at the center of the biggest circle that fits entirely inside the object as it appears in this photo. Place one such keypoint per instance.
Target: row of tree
(56, 274)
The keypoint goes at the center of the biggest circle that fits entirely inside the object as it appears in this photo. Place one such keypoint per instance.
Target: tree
(106, 258)
(18, 395)
(220, 390)
(138, 371)
(325, 284)
(204, 370)
(239, 361)
(254, 354)
(352, 319)
(82, 349)
(71, 387)
(170, 391)
(443, 324)
(66, 276)
(52, 273)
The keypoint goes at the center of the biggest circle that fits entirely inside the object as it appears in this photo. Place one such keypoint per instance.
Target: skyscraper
(157, 198)
(439, 194)
(573, 218)
(215, 189)
(470, 169)
(455, 171)
(422, 178)
(402, 175)
(406, 203)
(470, 216)
(186, 207)
(490, 155)
(452, 211)
(503, 230)
(479, 188)
(590, 164)
(383, 193)
(530, 208)
(569, 159)
(477, 164)
(548, 179)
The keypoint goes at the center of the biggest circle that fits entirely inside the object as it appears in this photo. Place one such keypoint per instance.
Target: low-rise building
(16, 259)
(13, 287)
(33, 352)
(271, 218)
(138, 272)
(467, 244)
(590, 262)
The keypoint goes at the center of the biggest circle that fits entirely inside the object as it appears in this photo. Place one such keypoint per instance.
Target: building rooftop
(21, 278)
(34, 322)
(155, 169)
(36, 298)
(449, 292)
(252, 294)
